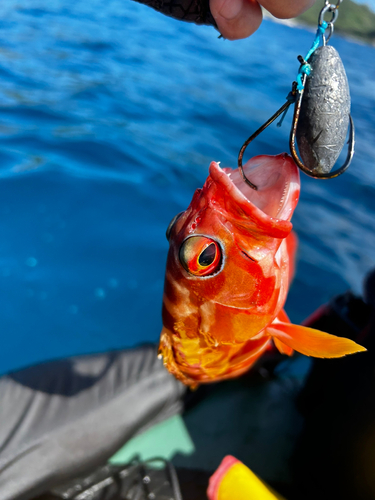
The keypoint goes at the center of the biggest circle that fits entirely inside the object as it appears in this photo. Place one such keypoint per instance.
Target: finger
(286, 9)
(236, 18)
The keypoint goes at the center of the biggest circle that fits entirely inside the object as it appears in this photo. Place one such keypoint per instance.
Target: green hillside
(354, 19)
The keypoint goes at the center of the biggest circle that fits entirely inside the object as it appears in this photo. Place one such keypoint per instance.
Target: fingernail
(230, 9)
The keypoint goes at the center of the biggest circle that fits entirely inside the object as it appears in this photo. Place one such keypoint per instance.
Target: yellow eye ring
(200, 256)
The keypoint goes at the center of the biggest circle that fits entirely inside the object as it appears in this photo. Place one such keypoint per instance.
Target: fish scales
(229, 267)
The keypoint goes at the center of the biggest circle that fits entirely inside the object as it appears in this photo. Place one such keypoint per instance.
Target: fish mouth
(277, 181)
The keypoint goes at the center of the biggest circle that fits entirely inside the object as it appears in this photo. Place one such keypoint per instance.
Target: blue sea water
(110, 114)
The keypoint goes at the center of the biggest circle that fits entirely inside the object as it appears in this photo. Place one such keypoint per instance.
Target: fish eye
(171, 224)
(200, 256)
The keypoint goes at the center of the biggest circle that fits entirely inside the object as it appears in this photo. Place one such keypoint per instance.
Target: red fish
(228, 272)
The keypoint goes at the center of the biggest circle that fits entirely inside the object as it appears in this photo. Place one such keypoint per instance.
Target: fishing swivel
(321, 101)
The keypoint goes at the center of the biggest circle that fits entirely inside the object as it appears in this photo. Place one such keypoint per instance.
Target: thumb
(236, 19)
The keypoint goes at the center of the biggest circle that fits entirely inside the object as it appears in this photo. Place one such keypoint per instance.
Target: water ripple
(110, 116)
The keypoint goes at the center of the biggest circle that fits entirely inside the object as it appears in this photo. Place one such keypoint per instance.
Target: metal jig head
(321, 111)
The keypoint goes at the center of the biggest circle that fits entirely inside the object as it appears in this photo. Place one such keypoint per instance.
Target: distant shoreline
(295, 23)
(355, 21)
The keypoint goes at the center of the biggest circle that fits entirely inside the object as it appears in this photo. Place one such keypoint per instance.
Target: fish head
(227, 262)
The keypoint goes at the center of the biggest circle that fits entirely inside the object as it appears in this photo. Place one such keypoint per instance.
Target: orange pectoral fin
(282, 317)
(281, 347)
(312, 342)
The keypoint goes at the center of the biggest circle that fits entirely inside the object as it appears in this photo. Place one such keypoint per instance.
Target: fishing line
(320, 138)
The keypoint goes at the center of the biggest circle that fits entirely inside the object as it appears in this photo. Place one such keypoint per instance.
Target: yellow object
(234, 481)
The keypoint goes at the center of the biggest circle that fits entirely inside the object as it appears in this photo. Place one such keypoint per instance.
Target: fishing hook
(292, 140)
(290, 99)
(296, 96)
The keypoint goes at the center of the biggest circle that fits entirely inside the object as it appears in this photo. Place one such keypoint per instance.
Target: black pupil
(208, 255)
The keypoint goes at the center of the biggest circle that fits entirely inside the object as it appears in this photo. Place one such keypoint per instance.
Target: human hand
(237, 19)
